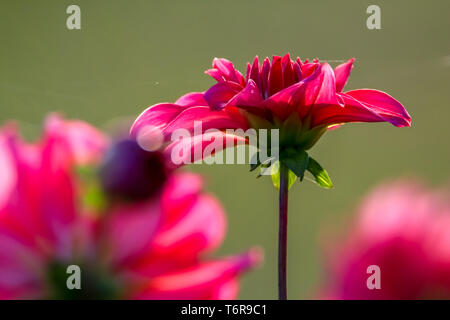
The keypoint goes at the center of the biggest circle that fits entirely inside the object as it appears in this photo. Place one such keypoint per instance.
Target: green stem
(282, 232)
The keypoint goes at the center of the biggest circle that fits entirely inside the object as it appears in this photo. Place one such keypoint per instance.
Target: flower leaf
(276, 176)
(296, 161)
(320, 174)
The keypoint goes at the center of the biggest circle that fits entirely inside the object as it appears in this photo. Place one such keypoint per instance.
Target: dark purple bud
(132, 173)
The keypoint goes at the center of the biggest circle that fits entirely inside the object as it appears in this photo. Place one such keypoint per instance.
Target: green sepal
(296, 161)
(263, 165)
(320, 174)
(292, 177)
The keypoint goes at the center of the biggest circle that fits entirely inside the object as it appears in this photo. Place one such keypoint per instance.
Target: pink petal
(309, 68)
(342, 72)
(205, 281)
(158, 115)
(221, 93)
(130, 230)
(383, 104)
(283, 102)
(254, 73)
(288, 71)
(48, 211)
(265, 70)
(216, 74)
(7, 172)
(353, 111)
(199, 227)
(180, 192)
(225, 71)
(20, 266)
(318, 89)
(275, 76)
(192, 99)
(86, 143)
(198, 142)
(249, 98)
(326, 93)
(224, 119)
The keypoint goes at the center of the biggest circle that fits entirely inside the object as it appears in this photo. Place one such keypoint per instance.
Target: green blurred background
(131, 54)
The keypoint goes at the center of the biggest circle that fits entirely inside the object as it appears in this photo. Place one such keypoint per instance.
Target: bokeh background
(130, 54)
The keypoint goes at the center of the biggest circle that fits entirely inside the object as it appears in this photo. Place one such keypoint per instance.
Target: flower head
(403, 229)
(153, 248)
(301, 99)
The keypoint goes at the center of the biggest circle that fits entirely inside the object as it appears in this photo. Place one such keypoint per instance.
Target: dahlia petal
(57, 198)
(289, 76)
(200, 228)
(224, 119)
(8, 172)
(383, 104)
(353, 111)
(249, 68)
(45, 212)
(180, 192)
(189, 146)
(21, 207)
(218, 95)
(204, 281)
(326, 93)
(275, 76)
(282, 103)
(265, 70)
(298, 72)
(158, 115)
(227, 290)
(20, 264)
(130, 230)
(342, 72)
(309, 68)
(318, 89)
(86, 143)
(386, 213)
(192, 99)
(254, 73)
(216, 74)
(227, 71)
(249, 98)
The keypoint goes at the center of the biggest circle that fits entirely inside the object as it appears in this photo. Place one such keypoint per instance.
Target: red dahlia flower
(300, 99)
(151, 249)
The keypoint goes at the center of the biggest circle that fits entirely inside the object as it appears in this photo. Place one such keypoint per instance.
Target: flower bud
(132, 173)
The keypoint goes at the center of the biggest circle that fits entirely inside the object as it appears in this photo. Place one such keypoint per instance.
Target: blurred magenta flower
(403, 229)
(149, 249)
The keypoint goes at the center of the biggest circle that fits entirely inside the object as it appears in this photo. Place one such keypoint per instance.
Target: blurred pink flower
(152, 249)
(303, 99)
(403, 229)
